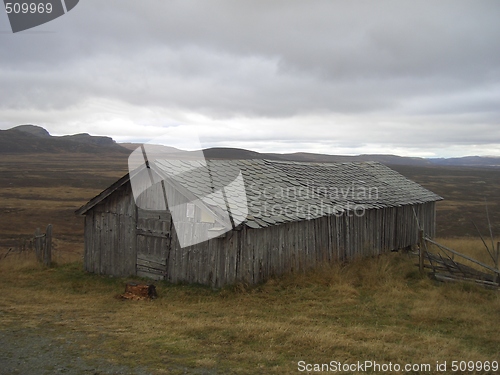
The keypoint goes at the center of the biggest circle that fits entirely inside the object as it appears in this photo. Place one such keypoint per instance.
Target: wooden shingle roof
(279, 192)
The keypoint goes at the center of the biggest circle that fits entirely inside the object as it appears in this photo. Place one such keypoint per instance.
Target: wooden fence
(446, 268)
(42, 243)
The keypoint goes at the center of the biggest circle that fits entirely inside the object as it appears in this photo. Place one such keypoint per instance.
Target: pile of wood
(138, 292)
(446, 268)
(450, 270)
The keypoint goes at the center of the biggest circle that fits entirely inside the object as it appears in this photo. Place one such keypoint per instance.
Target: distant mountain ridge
(33, 130)
(36, 139)
(234, 153)
(469, 161)
(29, 139)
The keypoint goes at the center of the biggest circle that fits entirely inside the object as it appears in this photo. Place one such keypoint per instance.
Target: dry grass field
(466, 192)
(373, 310)
(36, 190)
(378, 309)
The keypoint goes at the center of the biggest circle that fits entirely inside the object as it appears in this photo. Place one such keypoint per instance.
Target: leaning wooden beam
(496, 271)
(491, 234)
(422, 252)
(435, 269)
(498, 252)
(450, 270)
(7, 253)
(484, 242)
(416, 218)
(457, 265)
(430, 261)
(442, 277)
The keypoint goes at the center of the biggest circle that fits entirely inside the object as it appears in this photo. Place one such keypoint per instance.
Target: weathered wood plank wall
(252, 255)
(110, 235)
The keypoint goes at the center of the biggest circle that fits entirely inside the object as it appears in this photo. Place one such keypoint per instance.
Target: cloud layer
(414, 78)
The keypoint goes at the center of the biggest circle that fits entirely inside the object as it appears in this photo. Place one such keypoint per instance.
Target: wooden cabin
(289, 217)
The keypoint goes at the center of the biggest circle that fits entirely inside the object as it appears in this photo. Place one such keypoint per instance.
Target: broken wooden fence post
(37, 243)
(422, 251)
(47, 256)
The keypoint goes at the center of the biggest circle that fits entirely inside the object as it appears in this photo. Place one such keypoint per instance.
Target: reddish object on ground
(136, 291)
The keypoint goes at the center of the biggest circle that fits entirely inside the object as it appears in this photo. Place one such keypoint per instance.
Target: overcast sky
(339, 77)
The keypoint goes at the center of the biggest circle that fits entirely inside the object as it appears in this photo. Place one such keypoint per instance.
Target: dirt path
(36, 352)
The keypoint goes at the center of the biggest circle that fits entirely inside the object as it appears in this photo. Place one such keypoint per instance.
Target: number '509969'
(28, 8)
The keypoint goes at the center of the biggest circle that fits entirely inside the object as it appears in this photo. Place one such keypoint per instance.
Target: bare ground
(34, 351)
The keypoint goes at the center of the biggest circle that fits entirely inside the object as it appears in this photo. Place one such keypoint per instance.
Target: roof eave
(102, 195)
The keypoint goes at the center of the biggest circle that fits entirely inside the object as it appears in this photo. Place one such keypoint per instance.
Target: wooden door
(153, 243)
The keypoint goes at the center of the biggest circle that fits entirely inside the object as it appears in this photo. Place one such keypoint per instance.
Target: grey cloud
(422, 62)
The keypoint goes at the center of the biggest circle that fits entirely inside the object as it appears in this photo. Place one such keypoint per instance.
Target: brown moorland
(379, 309)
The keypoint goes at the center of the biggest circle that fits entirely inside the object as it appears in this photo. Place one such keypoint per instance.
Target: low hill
(238, 153)
(483, 161)
(33, 130)
(35, 139)
(28, 139)
(90, 139)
